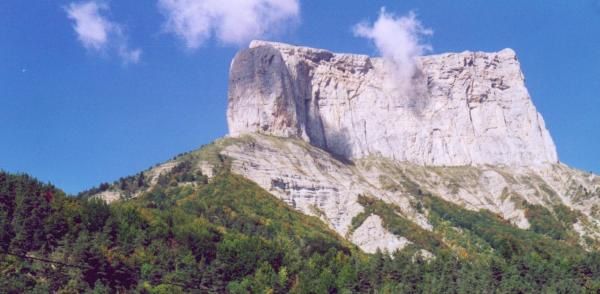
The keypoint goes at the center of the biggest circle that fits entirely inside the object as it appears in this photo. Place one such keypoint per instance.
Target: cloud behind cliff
(399, 40)
(97, 33)
(232, 22)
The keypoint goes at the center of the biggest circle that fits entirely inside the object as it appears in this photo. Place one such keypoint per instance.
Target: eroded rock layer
(312, 181)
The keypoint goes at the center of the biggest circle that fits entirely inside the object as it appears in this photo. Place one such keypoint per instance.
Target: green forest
(227, 235)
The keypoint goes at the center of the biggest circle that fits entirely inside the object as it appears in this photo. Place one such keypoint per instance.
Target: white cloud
(96, 32)
(399, 40)
(130, 55)
(92, 29)
(232, 22)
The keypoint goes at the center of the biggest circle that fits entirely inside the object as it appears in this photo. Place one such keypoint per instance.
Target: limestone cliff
(467, 108)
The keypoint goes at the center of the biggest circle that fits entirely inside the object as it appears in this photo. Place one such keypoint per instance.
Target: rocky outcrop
(467, 108)
(371, 235)
(316, 183)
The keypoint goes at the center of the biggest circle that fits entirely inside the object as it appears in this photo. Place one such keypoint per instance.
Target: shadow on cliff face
(339, 145)
(307, 106)
(419, 93)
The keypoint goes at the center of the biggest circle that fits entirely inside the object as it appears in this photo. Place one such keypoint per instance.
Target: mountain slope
(200, 238)
(316, 183)
(308, 178)
(180, 231)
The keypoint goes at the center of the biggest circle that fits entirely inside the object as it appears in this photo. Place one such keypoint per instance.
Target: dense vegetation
(187, 234)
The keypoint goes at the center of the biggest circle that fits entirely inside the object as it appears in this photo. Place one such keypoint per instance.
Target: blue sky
(78, 113)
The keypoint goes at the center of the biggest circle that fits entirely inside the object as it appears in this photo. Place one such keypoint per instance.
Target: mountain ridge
(285, 161)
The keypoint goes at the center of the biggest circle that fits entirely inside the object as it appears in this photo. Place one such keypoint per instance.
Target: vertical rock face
(261, 94)
(463, 109)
